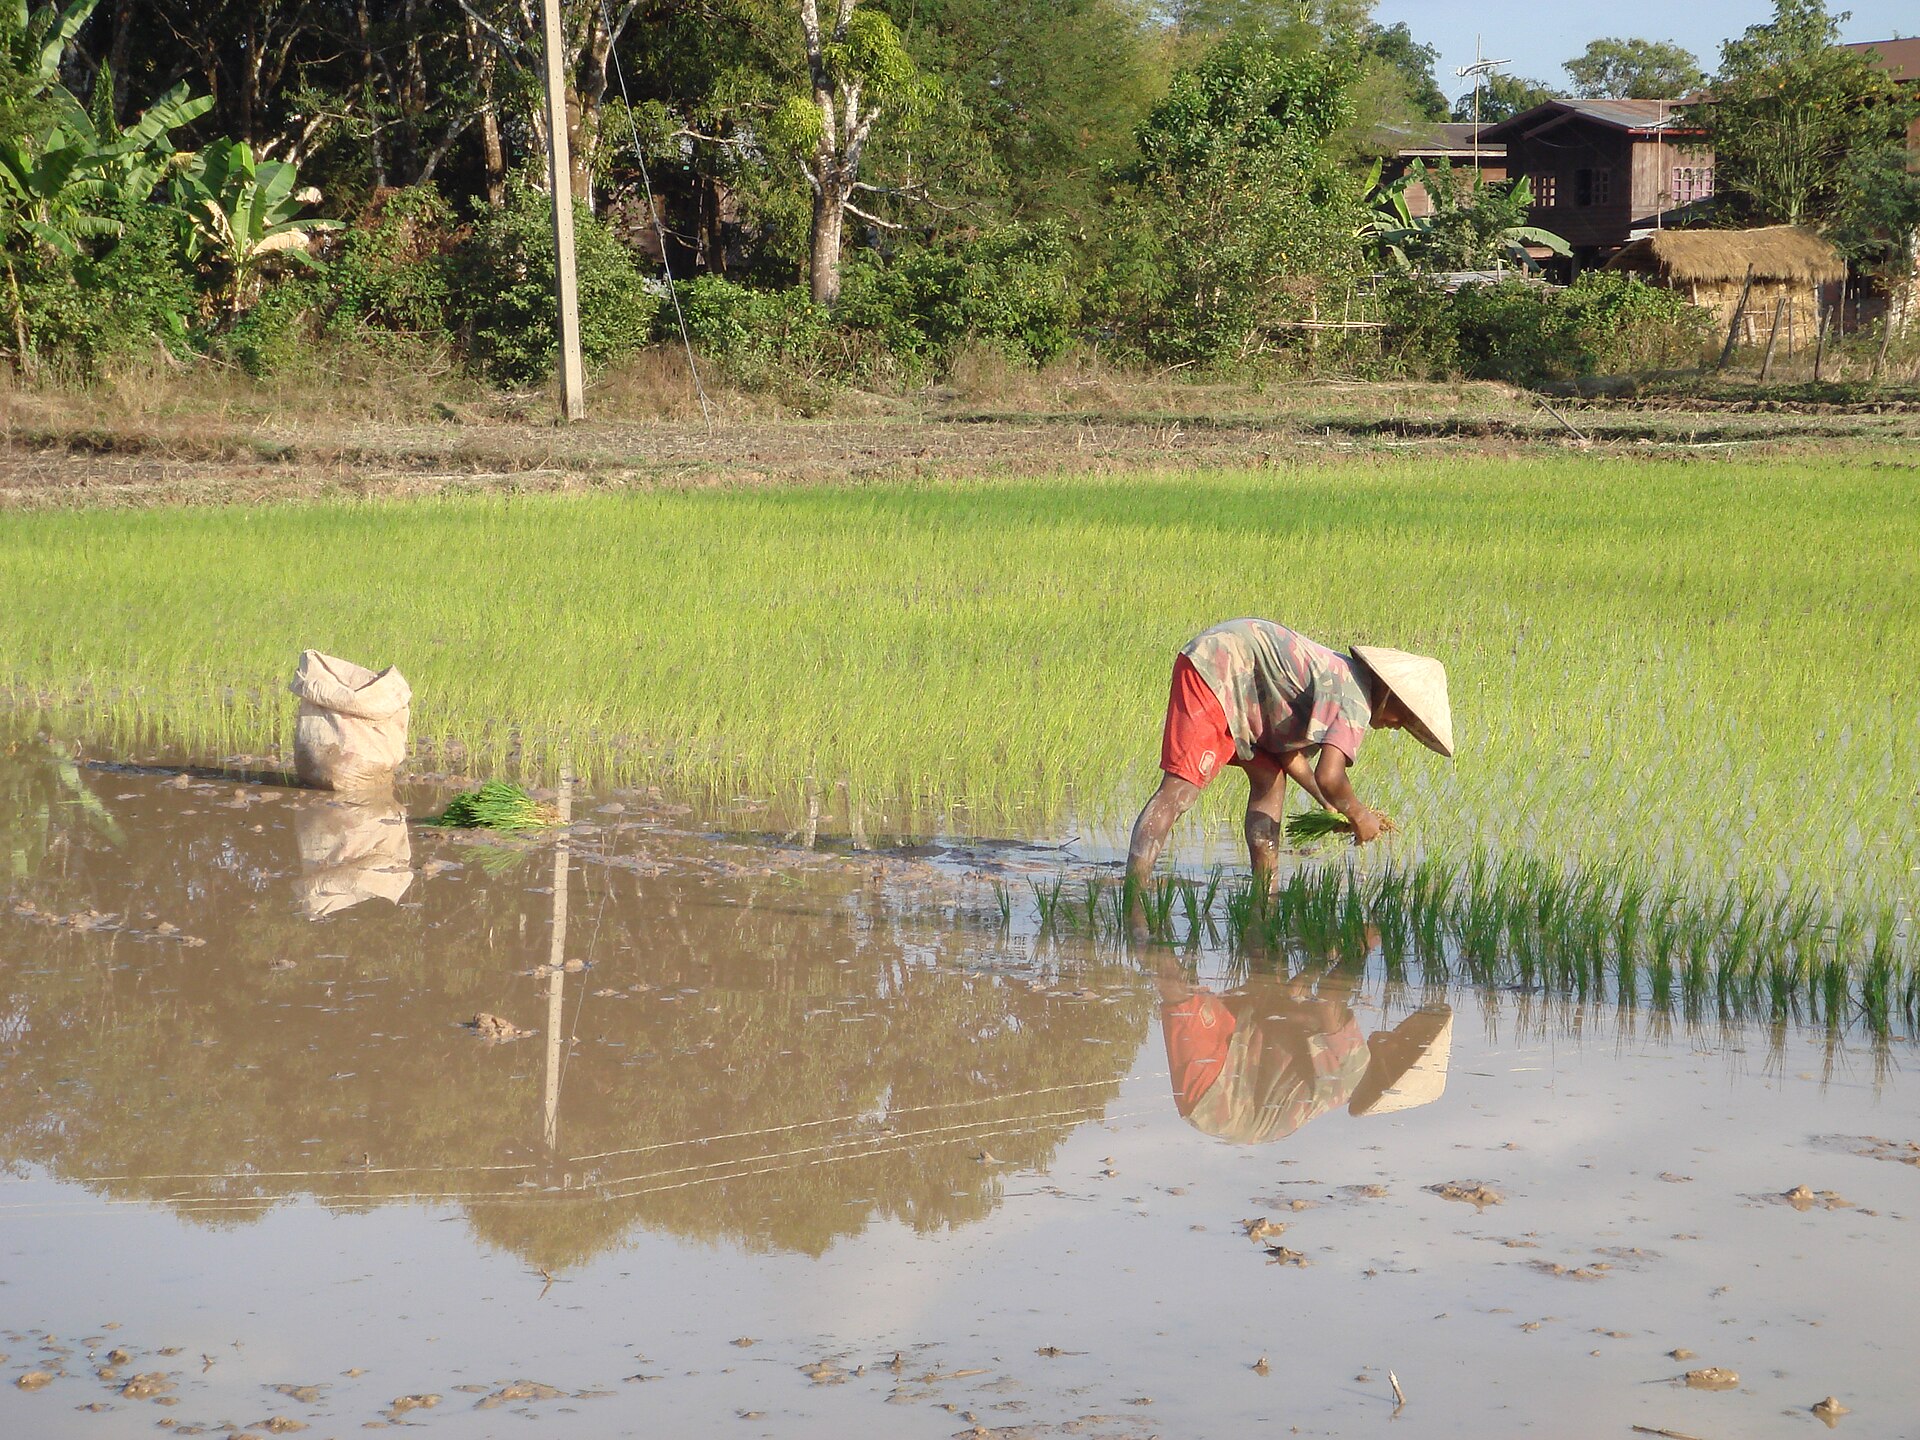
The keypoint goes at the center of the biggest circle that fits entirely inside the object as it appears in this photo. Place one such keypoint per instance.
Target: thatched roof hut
(1712, 266)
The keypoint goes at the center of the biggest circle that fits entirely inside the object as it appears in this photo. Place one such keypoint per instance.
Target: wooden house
(1757, 274)
(1605, 172)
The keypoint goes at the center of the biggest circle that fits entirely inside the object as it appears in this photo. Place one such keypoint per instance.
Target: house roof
(1775, 252)
(1437, 138)
(1900, 58)
(1647, 117)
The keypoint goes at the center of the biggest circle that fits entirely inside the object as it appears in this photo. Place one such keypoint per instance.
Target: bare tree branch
(853, 209)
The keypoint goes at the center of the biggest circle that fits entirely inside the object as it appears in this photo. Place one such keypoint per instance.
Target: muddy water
(802, 1141)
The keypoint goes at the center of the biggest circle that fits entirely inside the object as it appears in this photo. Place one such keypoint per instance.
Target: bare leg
(1172, 800)
(1266, 809)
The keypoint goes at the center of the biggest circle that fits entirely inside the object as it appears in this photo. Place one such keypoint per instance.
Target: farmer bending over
(1255, 694)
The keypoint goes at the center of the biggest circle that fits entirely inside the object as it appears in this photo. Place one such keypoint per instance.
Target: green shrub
(1011, 290)
(277, 331)
(391, 269)
(86, 311)
(1621, 324)
(501, 290)
(762, 339)
(1422, 335)
(1526, 332)
(1514, 330)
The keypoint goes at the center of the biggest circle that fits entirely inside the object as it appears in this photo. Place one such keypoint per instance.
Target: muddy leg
(1266, 808)
(1172, 800)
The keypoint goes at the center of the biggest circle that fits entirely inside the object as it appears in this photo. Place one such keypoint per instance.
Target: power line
(653, 213)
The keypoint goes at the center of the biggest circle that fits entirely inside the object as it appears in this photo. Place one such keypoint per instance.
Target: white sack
(352, 733)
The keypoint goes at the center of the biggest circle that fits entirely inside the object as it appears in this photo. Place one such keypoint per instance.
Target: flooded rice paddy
(314, 1119)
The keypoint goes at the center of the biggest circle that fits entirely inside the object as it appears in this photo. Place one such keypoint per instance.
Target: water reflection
(773, 1048)
(1256, 1062)
(351, 851)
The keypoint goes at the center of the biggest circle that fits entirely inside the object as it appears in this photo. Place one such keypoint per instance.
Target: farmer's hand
(1366, 824)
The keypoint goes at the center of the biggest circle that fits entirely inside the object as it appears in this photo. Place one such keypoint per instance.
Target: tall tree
(1616, 69)
(1053, 88)
(1502, 97)
(1239, 212)
(589, 31)
(858, 71)
(1404, 57)
(1794, 114)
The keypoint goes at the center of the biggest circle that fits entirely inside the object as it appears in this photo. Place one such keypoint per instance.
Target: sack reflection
(351, 852)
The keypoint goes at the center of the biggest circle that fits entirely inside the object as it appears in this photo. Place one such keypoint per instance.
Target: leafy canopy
(1615, 69)
(1795, 118)
(1504, 96)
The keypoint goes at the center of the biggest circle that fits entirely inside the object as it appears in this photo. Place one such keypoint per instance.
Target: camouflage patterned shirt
(1280, 690)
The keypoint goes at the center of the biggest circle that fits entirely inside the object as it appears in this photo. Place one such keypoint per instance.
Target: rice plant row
(1520, 922)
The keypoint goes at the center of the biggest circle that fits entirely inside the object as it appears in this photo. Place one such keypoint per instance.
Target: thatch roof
(1779, 254)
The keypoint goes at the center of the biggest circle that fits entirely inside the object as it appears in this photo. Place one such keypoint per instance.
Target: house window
(1690, 183)
(1546, 190)
(1592, 187)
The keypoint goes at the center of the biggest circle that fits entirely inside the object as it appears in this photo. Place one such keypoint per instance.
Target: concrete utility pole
(573, 398)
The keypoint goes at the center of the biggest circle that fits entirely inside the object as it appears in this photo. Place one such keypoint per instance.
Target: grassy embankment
(1702, 669)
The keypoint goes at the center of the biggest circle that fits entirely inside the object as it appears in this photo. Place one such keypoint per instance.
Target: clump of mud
(1800, 1197)
(1711, 1377)
(518, 1390)
(495, 1030)
(1477, 1193)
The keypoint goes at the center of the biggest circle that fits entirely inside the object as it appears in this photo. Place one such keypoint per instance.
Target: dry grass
(402, 422)
(1722, 257)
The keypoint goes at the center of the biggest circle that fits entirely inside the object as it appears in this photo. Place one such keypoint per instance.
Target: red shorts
(1196, 741)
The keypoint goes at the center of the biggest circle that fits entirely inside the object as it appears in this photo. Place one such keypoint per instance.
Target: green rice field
(1693, 669)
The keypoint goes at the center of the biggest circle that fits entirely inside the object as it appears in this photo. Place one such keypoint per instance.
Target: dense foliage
(1805, 132)
(853, 196)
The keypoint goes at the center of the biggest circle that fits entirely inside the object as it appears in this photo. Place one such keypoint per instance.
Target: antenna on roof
(1480, 69)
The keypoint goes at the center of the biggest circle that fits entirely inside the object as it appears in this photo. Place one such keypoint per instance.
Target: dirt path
(68, 450)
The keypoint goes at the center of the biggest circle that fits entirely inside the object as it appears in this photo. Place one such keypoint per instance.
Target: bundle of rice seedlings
(497, 805)
(1308, 828)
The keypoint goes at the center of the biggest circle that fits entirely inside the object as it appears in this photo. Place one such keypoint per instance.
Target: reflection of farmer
(1257, 695)
(1262, 1060)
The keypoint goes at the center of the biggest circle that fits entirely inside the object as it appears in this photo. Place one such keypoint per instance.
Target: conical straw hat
(1407, 1064)
(1420, 685)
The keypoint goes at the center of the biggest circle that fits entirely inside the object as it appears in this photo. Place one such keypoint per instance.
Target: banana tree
(138, 157)
(36, 40)
(1471, 226)
(51, 193)
(242, 212)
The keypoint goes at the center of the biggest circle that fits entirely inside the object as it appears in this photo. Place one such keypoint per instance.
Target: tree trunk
(374, 145)
(824, 267)
(493, 155)
(23, 349)
(117, 58)
(713, 244)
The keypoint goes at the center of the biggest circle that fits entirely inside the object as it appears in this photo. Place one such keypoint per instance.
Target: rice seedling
(1157, 900)
(496, 805)
(1310, 829)
(1046, 899)
(1629, 936)
(1090, 902)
